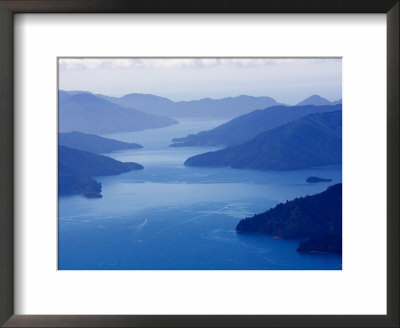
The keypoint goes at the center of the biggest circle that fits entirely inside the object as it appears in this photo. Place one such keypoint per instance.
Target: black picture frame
(10, 7)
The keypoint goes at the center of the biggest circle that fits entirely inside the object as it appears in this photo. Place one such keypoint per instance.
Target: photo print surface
(199, 164)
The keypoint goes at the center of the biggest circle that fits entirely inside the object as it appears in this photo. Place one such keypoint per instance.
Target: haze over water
(169, 216)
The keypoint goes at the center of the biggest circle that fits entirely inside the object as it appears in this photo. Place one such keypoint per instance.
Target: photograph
(199, 163)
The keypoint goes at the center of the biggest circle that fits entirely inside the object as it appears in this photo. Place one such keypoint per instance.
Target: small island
(316, 180)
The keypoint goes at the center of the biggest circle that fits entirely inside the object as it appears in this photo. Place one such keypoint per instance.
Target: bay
(172, 217)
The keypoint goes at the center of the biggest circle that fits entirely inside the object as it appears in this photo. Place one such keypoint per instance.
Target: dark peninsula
(317, 218)
(77, 168)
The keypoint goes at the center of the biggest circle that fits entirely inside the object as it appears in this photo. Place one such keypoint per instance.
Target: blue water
(169, 216)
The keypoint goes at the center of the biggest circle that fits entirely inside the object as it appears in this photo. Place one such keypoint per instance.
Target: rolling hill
(246, 127)
(85, 112)
(313, 140)
(92, 143)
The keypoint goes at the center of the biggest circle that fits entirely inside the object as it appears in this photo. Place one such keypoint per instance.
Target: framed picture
(173, 167)
(176, 181)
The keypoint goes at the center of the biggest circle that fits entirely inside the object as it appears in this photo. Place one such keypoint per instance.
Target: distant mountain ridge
(243, 128)
(87, 113)
(93, 143)
(228, 107)
(211, 108)
(317, 100)
(310, 141)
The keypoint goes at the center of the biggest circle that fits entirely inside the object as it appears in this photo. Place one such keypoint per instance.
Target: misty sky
(286, 80)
